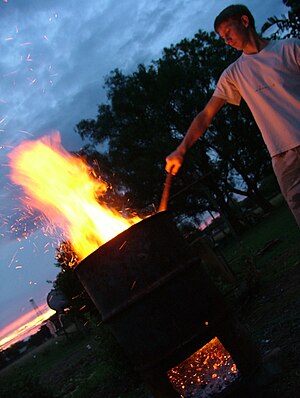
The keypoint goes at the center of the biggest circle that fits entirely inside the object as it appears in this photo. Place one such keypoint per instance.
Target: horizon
(24, 326)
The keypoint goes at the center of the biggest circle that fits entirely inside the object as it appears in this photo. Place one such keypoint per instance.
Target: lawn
(82, 365)
(273, 241)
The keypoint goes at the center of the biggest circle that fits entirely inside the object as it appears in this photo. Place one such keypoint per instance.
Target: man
(267, 77)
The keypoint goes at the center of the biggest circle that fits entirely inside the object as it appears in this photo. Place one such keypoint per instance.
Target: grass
(278, 231)
(77, 367)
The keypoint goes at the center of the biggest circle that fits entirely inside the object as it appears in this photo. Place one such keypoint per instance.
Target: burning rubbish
(206, 373)
(62, 186)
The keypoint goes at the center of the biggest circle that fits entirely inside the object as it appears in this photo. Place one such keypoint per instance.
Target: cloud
(60, 52)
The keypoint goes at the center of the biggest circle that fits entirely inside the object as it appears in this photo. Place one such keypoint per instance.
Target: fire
(62, 187)
(208, 371)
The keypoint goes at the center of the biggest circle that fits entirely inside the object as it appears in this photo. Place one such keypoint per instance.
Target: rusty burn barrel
(150, 289)
(153, 293)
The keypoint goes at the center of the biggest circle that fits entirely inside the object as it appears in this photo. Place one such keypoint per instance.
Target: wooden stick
(166, 192)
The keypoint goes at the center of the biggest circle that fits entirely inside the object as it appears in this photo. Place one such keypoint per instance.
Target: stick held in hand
(166, 192)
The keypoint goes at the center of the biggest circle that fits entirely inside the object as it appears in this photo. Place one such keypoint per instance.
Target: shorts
(286, 167)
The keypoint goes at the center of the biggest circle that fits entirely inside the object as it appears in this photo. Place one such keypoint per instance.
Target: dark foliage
(287, 25)
(67, 282)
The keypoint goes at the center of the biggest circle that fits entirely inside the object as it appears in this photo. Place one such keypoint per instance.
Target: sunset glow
(24, 326)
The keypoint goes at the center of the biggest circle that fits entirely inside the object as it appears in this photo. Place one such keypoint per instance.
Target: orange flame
(61, 187)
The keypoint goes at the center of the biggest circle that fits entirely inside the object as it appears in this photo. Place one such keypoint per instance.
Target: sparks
(28, 43)
(25, 132)
(10, 73)
(12, 259)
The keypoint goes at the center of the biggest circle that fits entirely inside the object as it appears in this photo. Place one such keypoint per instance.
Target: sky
(54, 57)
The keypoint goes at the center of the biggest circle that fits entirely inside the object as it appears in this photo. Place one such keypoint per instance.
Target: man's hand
(174, 161)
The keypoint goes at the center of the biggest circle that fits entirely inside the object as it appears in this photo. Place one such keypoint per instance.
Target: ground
(273, 316)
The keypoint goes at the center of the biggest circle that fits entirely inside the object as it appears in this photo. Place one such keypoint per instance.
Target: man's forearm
(195, 131)
(198, 127)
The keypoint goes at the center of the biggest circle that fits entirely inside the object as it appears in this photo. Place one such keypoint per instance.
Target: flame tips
(65, 189)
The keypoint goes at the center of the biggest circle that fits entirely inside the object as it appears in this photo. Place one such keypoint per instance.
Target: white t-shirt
(269, 82)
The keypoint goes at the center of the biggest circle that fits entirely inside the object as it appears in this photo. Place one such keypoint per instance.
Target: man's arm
(195, 131)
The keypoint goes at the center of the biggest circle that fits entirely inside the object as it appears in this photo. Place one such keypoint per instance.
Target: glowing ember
(206, 373)
(63, 188)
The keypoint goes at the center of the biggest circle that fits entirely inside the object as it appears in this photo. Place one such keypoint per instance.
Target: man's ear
(245, 20)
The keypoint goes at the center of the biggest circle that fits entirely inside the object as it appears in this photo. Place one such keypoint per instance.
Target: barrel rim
(126, 231)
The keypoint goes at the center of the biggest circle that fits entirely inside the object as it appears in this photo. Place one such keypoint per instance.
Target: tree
(67, 282)
(236, 142)
(287, 26)
(39, 337)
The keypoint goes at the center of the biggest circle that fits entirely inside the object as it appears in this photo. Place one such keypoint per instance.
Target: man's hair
(235, 11)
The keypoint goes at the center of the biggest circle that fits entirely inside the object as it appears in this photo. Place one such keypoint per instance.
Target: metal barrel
(153, 293)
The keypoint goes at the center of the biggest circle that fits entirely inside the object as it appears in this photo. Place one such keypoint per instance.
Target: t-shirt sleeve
(227, 90)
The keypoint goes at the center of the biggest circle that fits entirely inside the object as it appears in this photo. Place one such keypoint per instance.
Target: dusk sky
(55, 55)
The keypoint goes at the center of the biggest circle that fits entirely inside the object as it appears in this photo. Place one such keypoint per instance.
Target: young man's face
(234, 33)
